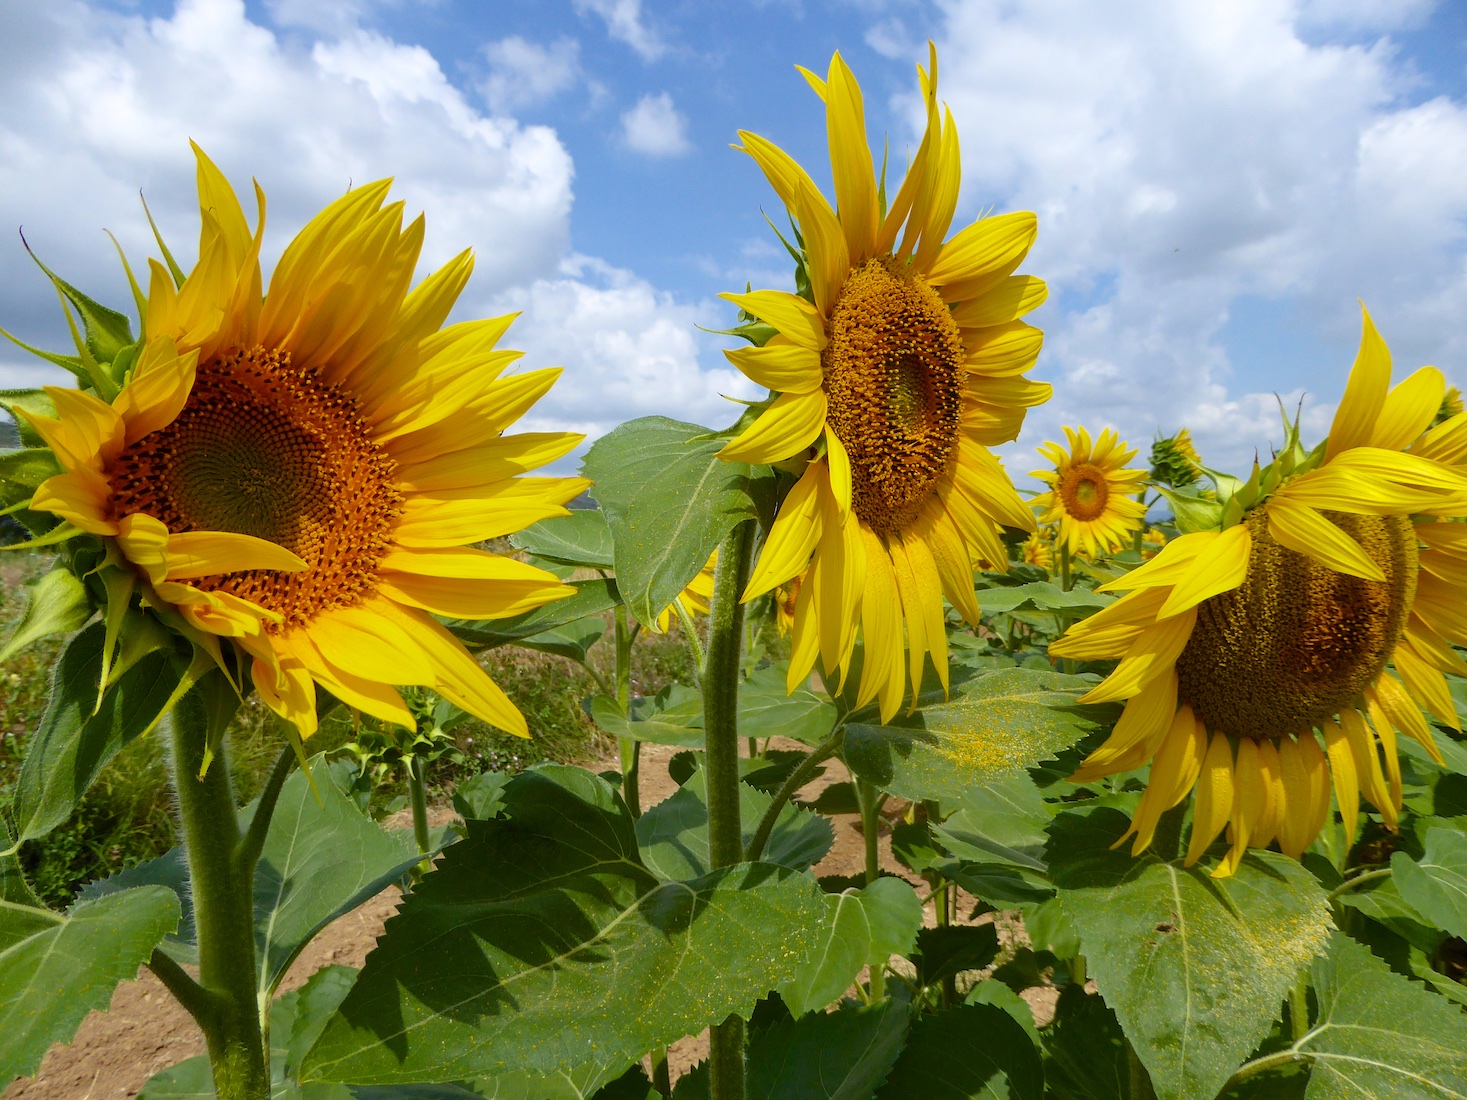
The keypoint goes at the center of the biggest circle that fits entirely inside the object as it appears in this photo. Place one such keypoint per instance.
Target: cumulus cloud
(99, 105)
(629, 350)
(1183, 158)
(623, 19)
(655, 127)
(523, 73)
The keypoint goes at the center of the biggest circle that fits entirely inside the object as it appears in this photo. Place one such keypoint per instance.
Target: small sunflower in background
(1152, 542)
(1451, 405)
(894, 372)
(696, 598)
(785, 597)
(1091, 498)
(302, 471)
(1038, 551)
(1280, 654)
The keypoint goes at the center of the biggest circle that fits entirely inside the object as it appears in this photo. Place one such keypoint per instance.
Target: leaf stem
(418, 797)
(1299, 1007)
(1353, 883)
(721, 744)
(690, 635)
(223, 888)
(630, 751)
(253, 842)
(867, 799)
(1269, 1061)
(796, 779)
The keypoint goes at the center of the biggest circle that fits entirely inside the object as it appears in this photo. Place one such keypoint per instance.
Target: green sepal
(56, 603)
(1193, 513)
(173, 268)
(34, 401)
(70, 363)
(106, 331)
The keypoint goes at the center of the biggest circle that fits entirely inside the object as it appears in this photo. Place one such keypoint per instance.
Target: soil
(145, 1030)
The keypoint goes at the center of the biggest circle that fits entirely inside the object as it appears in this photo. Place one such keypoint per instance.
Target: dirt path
(145, 1030)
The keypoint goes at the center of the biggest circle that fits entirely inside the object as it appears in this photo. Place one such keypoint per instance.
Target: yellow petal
(1173, 773)
(838, 574)
(1425, 683)
(495, 459)
(784, 367)
(1365, 392)
(154, 398)
(1220, 567)
(80, 497)
(1367, 764)
(1409, 410)
(1170, 566)
(791, 424)
(1137, 735)
(881, 627)
(804, 637)
(1300, 528)
(793, 538)
(840, 473)
(474, 598)
(1403, 712)
(790, 314)
(1154, 652)
(983, 253)
(1006, 301)
(194, 554)
(850, 161)
(1215, 796)
(1346, 781)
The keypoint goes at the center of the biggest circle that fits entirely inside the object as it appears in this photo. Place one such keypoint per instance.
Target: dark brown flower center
(1297, 642)
(263, 449)
(894, 378)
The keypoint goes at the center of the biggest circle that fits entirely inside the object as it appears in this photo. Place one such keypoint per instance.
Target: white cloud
(623, 19)
(629, 350)
(655, 127)
(99, 105)
(1181, 157)
(524, 73)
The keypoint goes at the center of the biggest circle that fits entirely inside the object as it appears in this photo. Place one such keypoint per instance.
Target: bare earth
(145, 1030)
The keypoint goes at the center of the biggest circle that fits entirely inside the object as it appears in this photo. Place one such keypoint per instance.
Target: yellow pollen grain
(1297, 642)
(265, 450)
(893, 376)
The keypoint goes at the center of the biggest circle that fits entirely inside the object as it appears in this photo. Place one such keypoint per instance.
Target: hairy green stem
(1277, 1060)
(721, 744)
(1299, 1007)
(221, 878)
(253, 842)
(796, 779)
(417, 769)
(867, 799)
(630, 750)
(690, 635)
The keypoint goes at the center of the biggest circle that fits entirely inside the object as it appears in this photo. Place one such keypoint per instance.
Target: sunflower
(1152, 543)
(892, 377)
(300, 472)
(1175, 461)
(1039, 550)
(696, 598)
(1323, 606)
(1090, 492)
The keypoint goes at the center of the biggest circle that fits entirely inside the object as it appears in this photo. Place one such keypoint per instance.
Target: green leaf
(23, 470)
(862, 927)
(52, 977)
(36, 402)
(1196, 968)
(766, 710)
(991, 991)
(1086, 1048)
(553, 945)
(669, 501)
(72, 744)
(573, 640)
(840, 1055)
(964, 1053)
(1042, 596)
(480, 796)
(998, 724)
(1378, 1034)
(1437, 885)
(673, 835)
(322, 858)
(169, 870)
(56, 603)
(591, 598)
(674, 716)
(581, 539)
(948, 950)
(1002, 822)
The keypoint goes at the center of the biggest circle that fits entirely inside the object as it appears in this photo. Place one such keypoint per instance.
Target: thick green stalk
(223, 885)
(630, 750)
(1066, 580)
(721, 744)
(866, 796)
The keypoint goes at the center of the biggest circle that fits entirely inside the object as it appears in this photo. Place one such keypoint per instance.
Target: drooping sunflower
(301, 472)
(1091, 498)
(1038, 551)
(1324, 605)
(893, 376)
(1175, 461)
(696, 598)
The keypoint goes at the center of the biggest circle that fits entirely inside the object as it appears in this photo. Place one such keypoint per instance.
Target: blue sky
(1216, 182)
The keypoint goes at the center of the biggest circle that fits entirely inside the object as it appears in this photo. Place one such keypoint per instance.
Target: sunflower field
(1158, 772)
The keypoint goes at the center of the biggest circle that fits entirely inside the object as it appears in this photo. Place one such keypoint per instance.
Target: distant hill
(8, 435)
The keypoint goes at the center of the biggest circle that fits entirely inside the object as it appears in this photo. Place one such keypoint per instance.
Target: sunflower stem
(721, 744)
(1358, 881)
(221, 875)
(418, 797)
(1299, 1007)
(630, 751)
(866, 797)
